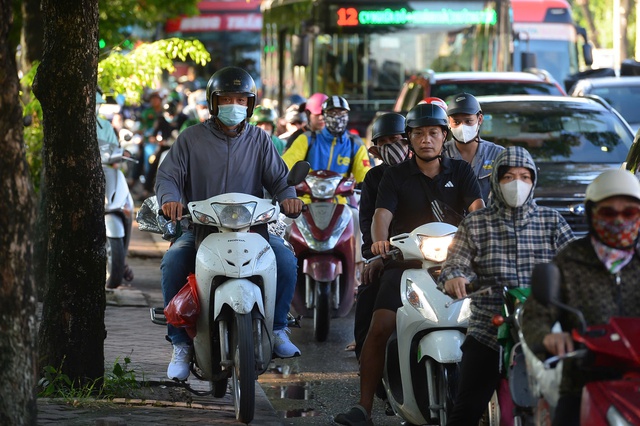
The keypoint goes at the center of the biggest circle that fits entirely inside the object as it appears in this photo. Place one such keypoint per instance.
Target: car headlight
(417, 299)
(435, 248)
(323, 188)
(614, 418)
(235, 216)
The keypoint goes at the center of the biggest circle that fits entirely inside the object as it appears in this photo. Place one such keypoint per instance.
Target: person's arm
(361, 164)
(457, 271)
(380, 231)
(476, 205)
(537, 321)
(297, 151)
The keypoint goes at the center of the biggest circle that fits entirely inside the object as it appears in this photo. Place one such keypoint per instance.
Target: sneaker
(179, 366)
(282, 346)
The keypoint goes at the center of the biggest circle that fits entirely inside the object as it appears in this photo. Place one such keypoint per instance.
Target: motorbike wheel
(322, 312)
(447, 388)
(491, 416)
(244, 371)
(115, 262)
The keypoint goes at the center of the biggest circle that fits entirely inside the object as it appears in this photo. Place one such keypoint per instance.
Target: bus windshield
(365, 50)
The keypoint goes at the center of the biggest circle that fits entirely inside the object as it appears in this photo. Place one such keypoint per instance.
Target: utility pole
(617, 43)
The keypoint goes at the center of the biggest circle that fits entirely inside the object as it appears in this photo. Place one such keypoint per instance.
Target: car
(571, 139)
(622, 93)
(632, 163)
(446, 84)
(443, 85)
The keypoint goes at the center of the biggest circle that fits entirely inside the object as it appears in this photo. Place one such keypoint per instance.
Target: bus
(545, 28)
(364, 50)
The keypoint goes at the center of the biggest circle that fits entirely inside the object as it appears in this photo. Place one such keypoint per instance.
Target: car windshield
(624, 99)
(445, 90)
(557, 132)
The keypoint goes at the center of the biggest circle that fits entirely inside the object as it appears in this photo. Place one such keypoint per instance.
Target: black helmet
(426, 115)
(388, 124)
(231, 80)
(335, 102)
(464, 103)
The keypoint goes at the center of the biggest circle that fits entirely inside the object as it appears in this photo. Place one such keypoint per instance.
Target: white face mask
(464, 133)
(516, 192)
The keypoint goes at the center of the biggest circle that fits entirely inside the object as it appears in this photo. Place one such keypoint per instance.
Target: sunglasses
(611, 213)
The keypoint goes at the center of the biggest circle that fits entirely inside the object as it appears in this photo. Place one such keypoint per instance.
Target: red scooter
(612, 348)
(324, 243)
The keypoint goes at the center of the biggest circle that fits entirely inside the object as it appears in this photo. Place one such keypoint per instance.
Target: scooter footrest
(157, 316)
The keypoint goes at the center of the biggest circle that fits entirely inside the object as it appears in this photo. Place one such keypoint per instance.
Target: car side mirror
(545, 283)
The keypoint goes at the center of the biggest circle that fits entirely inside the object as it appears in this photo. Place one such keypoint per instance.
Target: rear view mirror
(298, 172)
(545, 283)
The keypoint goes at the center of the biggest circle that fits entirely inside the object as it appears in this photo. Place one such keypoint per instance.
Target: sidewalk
(130, 333)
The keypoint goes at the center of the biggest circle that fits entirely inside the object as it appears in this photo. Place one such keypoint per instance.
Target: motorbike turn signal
(497, 320)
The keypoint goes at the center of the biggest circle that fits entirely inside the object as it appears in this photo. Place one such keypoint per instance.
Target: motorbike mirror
(298, 172)
(545, 283)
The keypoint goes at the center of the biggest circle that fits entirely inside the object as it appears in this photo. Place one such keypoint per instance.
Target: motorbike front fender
(114, 226)
(322, 268)
(239, 294)
(442, 345)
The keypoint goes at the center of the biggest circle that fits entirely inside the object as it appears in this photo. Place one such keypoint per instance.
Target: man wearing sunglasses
(599, 274)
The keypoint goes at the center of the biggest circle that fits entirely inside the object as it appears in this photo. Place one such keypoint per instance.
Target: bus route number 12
(347, 16)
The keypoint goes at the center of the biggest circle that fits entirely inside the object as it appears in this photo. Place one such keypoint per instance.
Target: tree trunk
(72, 331)
(31, 38)
(17, 292)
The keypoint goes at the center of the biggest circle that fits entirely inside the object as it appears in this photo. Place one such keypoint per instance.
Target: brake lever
(485, 290)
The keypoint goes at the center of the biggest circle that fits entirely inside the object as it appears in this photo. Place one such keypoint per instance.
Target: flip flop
(350, 347)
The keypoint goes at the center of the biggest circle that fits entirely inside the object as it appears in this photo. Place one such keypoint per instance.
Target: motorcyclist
(498, 244)
(295, 120)
(599, 276)
(224, 154)
(465, 119)
(404, 203)
(265, 118)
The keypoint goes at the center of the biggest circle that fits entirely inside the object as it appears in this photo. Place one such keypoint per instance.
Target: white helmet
(613, 183)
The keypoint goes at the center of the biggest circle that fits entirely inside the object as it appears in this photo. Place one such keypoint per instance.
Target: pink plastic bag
(184, 308)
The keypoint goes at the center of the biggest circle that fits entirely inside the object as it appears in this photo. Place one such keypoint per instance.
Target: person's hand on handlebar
(558, 343)
(372, 271)
(456, 287)
(292, 206)
(381, 248)
(172, 210)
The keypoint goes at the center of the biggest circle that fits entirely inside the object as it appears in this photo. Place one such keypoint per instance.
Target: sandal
(356, 416)
(350, 347)
(128, 273)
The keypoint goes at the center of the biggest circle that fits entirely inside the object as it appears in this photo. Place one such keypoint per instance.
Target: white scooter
(118, 213)
(423, 355)
(236, 280)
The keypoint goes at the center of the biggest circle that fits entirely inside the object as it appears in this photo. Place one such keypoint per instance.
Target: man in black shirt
(405, 198)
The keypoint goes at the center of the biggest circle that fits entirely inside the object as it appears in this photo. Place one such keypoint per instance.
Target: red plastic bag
(184, 308)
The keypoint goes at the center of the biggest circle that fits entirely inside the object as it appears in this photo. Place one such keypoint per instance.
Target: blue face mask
(231, 115)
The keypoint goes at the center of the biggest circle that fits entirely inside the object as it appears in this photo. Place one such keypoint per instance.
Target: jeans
(179, 261)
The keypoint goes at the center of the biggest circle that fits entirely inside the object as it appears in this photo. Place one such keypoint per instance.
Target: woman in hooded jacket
(498, 244)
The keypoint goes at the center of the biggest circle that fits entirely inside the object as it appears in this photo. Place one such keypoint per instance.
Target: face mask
(393, 153)
(336, 125)
(516, 192)
(231, 115)
(617, 233)
(203, 114)
(464, 133)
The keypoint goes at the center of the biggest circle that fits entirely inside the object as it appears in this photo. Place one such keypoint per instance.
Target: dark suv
(572, 140)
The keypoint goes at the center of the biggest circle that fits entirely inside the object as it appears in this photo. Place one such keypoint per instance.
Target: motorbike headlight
(235, 216)
(204, 219)
(435, 248)
(465, 311)
(614, 418)
(323, 188)
(417, 299)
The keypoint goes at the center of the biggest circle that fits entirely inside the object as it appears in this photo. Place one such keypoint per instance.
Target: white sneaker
(282, 346)
(179, 366)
